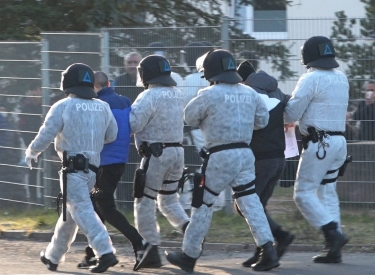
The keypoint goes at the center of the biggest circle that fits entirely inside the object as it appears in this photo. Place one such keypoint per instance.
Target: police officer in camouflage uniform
(79, 126)
(156, 120)
(226, 112)
(319, 102)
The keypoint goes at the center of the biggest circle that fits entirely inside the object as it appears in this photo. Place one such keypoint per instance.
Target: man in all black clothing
(268, 145)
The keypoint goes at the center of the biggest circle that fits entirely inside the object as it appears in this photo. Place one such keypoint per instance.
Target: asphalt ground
(19, 254)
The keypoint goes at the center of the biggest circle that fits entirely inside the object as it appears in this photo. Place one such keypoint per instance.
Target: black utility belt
(205, 152)
(155, 149)
(73, 164)
(321, 134)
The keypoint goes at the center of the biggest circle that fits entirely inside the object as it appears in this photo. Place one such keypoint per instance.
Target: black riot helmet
(219, 65)
(78, 79)
(155, 69)
(318, 51)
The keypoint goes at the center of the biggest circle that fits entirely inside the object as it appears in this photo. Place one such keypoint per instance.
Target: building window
(269, 16)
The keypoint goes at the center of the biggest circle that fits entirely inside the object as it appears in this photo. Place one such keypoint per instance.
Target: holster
(185, 177)
(343, 167)
(155, 149)
(139, 183)
(198, 191)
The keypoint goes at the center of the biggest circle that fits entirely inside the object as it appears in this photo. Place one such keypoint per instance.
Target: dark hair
(101, 79)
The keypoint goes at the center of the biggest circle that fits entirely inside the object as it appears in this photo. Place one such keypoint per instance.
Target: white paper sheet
(291, 148)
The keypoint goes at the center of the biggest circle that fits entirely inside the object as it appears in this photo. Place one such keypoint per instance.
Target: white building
(292, 25)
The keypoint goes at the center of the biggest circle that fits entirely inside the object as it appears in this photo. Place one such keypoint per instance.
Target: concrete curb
(45, 236)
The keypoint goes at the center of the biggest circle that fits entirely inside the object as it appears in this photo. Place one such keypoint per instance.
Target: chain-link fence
(30, 74)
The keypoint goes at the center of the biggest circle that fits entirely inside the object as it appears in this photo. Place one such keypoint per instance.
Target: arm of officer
(52, 125)
(301, 97)
(141, 112)
(195, 111)
(261, 113)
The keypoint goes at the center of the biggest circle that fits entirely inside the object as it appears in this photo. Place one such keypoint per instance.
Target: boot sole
(139, 265)
(105, 268)
(176, 263)
(266, 269)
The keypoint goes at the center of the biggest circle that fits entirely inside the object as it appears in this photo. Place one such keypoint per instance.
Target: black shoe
(332, 251)
(147, 257)
(87, 262)
(181, 260)
(50, 266)
(253, 259)
(283, 243)
(268, 258)
(105, 262)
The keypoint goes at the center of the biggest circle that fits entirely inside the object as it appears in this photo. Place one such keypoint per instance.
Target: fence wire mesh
(30, 76)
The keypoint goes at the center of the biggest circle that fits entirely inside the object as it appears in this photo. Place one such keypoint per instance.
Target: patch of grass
(358, 225)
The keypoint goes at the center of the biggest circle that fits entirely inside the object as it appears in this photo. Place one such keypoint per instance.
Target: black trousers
(105, 205)
(267, 174)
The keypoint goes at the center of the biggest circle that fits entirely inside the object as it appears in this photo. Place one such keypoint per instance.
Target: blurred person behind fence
(226, 112)
(79, 126)
(193, 82)
(156, 120)
(268, 146)
(319, 102)
(112, 166)
(126, 83)
(365, 113)
(30, 120)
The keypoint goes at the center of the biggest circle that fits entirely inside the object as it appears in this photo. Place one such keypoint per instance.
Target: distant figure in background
(365, 113)
(192, 84)
(8, 138)
(29, 123)
(126, 84)
(160, 49)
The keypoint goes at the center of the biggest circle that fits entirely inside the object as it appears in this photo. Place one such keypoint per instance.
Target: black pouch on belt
(198, 191)
(343, 167)
(139, 183)
(156, 149)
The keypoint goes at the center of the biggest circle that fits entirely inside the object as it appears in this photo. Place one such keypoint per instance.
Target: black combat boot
(268, 258)
(253, 259)
(283, 240)
(105, 262)
(331, 253)
(183, 261)
(147, 256)
(89, 259)
(50, 266)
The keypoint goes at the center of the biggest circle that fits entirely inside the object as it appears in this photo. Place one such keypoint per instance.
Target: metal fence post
(225, 33)
(228, 209)
(104, 52)
(46, 103)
